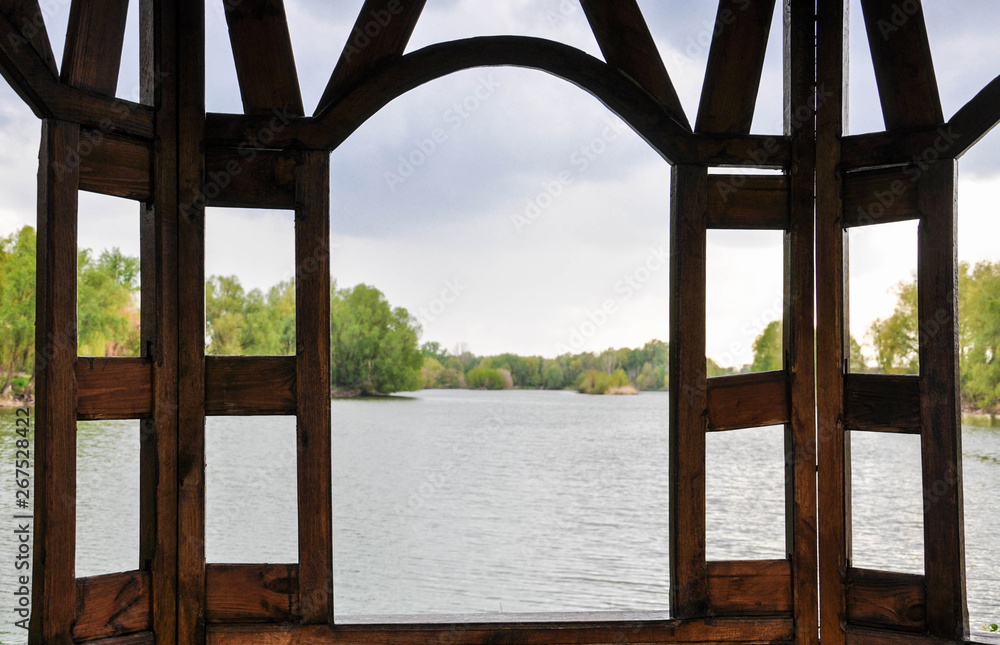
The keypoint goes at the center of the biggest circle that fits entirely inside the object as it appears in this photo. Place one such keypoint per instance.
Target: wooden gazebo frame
(166, 153)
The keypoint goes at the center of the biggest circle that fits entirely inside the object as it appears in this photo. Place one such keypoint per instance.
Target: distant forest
(376, 347)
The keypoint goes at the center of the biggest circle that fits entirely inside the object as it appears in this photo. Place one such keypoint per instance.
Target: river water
(512, 501)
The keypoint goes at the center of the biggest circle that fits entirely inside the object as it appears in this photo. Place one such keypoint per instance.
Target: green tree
(767, 349)
(225, 307)
(107, 309)
(484, 378)
(895, 338)
(554, 379)
(374, 345)
(17, 306)
(979, 310)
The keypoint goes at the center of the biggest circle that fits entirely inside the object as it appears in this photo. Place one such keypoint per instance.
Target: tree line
(375, 347)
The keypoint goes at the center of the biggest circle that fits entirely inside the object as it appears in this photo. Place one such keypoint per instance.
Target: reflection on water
(482, 502)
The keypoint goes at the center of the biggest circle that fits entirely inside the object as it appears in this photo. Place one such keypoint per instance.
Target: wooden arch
(166, 153)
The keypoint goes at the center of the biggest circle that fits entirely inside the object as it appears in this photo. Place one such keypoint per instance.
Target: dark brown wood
(625, 41)
(158, 446)
(246, 385)
(869, 636)
(116, 165)
(143, 638)
(94, 39)
(582, 629)
(833, 446)
(885, 599)
(53, 577)
(880, 196)
(735, 63)
(26, 16)
(688, 391)
(237, 593)
(882, 403)
(249, 178)
(896, 148)
(312, 364)
(112, 605)
(904, 70)
(975, 119)
(747, 401)
(114, 388)
(748, 202)
(799, 322)
(380, 34)
(188, 37)
(618, 92)
(751, 587)
(28, 70)
(262, 49)
(940, 413)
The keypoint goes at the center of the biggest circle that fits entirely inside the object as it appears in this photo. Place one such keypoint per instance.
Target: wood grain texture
(262, 50)
(249, 178)
(237, 593)
(249, 385)
(114, 388)
(380, 34)
(748, 202)
(112, 605)
(735, 63)
(27, 18)
(975, 119)
(94, 38)
(312, 365)
(832, 443)
(747, 401)
(750, 587)
(799, 324)
(117, 166)
(882, 403)
(688, 391)
(142, 638)
(870, 636)
(904, 69)
(940, 413)
(588, 629)
(625, 41)
(886, 599)
(880, 196)
(158, 446)
(53, 577)
(614, 89)
(863, 151)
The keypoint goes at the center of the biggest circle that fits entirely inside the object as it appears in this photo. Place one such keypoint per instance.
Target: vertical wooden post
(798, 327)
(54, 566)
(312, 366)
(940, 416)
(188, 41)
(831, 299)
(158, 236)
(688, 391)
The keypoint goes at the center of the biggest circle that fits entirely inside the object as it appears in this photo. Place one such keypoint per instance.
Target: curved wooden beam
(610, 86)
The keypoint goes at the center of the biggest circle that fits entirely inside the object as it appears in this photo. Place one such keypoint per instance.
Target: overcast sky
(529, 218)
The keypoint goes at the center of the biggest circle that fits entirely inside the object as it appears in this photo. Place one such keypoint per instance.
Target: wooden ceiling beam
(380, 34)
(94, 39)
(904, 69)
(262, 50)
(735, 64)
(627, 45)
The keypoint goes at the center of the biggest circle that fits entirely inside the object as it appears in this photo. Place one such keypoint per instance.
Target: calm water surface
(515, 501)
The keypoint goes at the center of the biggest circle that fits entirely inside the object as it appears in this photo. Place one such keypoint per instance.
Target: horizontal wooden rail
(247, 178)
(249, 385)
(114, 388)
(747, 401)
(750, 587)
(114, 165)
(139, 638)
(112, 605)
(886, 599)
(750, 202)
(880, 196)
(882, 403)
(584, 629)
(239, 593)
